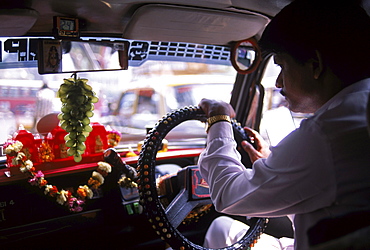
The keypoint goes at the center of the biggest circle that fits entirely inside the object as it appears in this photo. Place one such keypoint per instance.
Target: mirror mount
(245, 56)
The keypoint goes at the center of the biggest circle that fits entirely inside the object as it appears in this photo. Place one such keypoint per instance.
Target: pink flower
(75, 204)
(33, 181)
(76, 209)
(36, 178)
(39, 174)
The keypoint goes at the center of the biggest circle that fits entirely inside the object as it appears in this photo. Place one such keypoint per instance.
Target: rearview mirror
(245, 56)
(59, 56)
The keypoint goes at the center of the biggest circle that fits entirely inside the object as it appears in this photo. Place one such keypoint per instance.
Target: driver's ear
(317, 65)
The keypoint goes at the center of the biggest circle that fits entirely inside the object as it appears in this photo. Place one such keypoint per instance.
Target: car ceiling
(207, 21)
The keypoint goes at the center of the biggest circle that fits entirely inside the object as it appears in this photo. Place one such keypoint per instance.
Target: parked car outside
(139, 108)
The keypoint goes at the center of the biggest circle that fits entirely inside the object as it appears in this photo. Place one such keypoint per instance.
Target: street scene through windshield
(130, 100)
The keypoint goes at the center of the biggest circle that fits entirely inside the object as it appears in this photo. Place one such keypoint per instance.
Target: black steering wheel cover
(152, 206)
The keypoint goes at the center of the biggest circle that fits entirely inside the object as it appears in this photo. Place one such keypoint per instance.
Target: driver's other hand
(213, 107)
(262, 149)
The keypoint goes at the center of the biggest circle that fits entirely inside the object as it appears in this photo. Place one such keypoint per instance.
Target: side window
(127, 103)
(277, 120)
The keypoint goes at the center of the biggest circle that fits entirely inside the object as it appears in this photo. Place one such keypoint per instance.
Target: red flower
(53, 191)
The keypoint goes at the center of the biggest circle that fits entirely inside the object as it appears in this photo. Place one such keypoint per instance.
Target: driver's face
(297, 84)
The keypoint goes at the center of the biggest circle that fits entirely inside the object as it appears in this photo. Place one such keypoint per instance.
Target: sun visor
(17, 22)
(157, 22)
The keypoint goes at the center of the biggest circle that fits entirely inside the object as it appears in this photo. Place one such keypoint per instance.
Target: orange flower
(93, 183)
(43, 182)
(85, 191)
(81, 192)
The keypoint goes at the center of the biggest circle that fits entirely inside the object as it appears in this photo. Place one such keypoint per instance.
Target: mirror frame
(234, 54)
(46, 45)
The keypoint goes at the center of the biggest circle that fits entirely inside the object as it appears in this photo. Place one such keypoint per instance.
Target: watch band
(217, 118)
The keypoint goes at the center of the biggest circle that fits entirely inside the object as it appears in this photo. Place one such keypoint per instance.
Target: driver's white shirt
(321, 169)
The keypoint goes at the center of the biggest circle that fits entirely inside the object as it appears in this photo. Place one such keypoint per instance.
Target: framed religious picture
(50, 56)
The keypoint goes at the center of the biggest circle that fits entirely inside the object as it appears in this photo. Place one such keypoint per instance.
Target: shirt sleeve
(295, 178)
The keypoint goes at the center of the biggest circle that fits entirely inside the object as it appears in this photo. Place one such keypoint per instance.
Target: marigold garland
(46, 153)
(114, 137)
(63, 197)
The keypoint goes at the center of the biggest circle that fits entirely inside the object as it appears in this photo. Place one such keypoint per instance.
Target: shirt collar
(363, 85)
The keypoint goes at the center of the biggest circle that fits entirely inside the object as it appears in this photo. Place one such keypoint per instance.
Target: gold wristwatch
(217, 118)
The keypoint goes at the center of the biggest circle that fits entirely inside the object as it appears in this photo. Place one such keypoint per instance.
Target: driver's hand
(213, 107)
(262, 149)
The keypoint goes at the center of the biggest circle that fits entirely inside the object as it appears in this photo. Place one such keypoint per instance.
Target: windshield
(192, 94)
(186, 70)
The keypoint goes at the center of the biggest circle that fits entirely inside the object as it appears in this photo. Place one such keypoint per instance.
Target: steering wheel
(166, 220)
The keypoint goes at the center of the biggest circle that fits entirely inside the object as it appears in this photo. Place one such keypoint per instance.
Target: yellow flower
(18, 146)
(14, 148)
(105, 167)
(85, 191)
(62, 197)
(47, 189)
(97, 176)
(26, 167)
(18, 159)
(29, 164)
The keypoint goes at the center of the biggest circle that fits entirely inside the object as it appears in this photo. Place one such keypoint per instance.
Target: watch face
(66, 27)
(67, 24)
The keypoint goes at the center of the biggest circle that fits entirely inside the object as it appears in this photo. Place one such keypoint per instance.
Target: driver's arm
(276, 186)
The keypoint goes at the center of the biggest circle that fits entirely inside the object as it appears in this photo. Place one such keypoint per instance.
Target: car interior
(154, 196)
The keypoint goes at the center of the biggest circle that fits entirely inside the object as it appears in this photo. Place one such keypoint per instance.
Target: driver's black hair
(339, 30)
